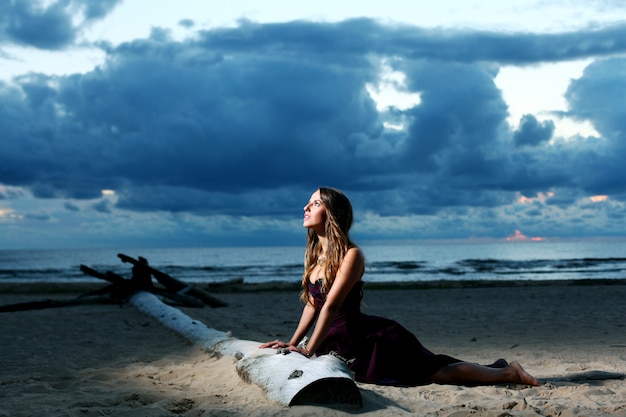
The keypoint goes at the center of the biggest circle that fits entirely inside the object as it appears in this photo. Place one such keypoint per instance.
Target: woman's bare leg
(500, 363)
(471, 373)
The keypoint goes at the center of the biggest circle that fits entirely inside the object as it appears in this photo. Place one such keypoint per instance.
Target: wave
(543, 266)
(377, 271)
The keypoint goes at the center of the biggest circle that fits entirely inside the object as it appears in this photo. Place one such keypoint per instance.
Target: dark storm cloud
(38, 217)
(599, 96)
(596, 96)
(8, 194)
(180, 199)
(102, 206)
(364, 36)
(71, 207)
(30, 23)
(532, 132)
(456, 130)
(249, 120)
(97, 9)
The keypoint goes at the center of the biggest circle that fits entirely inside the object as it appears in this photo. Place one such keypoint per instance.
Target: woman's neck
(323, 244)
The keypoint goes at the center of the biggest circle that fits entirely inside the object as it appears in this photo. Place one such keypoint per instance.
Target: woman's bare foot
(519, 375)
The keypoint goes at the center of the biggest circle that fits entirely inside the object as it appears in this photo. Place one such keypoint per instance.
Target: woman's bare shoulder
(354, 251)
(354, 255)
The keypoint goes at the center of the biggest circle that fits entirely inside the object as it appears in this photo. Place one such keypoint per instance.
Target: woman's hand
(275, 344)
(303, 351)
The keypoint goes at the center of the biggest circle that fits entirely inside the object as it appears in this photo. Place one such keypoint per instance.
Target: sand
(100, 360)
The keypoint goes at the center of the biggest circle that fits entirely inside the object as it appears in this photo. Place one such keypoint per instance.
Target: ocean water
(385, 263)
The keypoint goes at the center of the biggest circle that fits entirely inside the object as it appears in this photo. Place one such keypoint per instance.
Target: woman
(377, 350)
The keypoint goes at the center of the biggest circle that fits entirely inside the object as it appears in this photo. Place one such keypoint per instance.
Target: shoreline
(239, 285)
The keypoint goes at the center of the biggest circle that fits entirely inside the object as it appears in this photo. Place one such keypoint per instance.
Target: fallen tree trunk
(121, 289)
(174, 284)
(290, 379)
(108, 276)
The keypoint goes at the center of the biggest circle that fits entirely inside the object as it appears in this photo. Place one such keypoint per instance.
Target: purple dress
(378, 350)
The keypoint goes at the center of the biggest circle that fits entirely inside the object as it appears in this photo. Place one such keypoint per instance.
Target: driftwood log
(141, 267)
(120, 289)
(172, 291)
(289, 379)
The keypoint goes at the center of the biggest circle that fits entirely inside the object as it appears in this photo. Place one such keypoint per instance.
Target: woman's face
(315, 213)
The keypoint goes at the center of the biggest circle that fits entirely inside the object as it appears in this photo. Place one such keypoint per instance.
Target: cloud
(10, 193)
(187, 23)
(102, 206)
(71, 207)
(362, 36)
(247, 120)
(48, 26)
(593, 97)
(37, 216)
(598, 96)
(532, 132)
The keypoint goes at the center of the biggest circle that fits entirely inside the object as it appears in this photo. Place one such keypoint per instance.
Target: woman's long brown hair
(337, 226)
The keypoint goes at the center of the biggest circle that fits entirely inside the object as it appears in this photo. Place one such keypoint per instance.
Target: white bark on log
(287, 379)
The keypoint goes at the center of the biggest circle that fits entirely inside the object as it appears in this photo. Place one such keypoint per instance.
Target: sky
(151, 123)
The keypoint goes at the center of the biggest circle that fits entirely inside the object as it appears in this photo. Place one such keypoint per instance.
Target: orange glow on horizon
(7, 213)
(518, 236)
(598, 198)
(542, 197)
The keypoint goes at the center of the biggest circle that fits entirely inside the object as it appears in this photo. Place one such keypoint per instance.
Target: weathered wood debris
(120, 290)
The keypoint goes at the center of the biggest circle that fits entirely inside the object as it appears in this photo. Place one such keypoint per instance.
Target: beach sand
(100, 360)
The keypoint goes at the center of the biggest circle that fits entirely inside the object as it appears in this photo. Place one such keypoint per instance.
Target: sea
(398, 262)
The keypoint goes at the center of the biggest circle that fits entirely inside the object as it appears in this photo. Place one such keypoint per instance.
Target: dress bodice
(352, 303)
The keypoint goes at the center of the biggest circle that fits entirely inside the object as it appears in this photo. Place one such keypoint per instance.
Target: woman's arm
(349, 273)
(309, 313)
